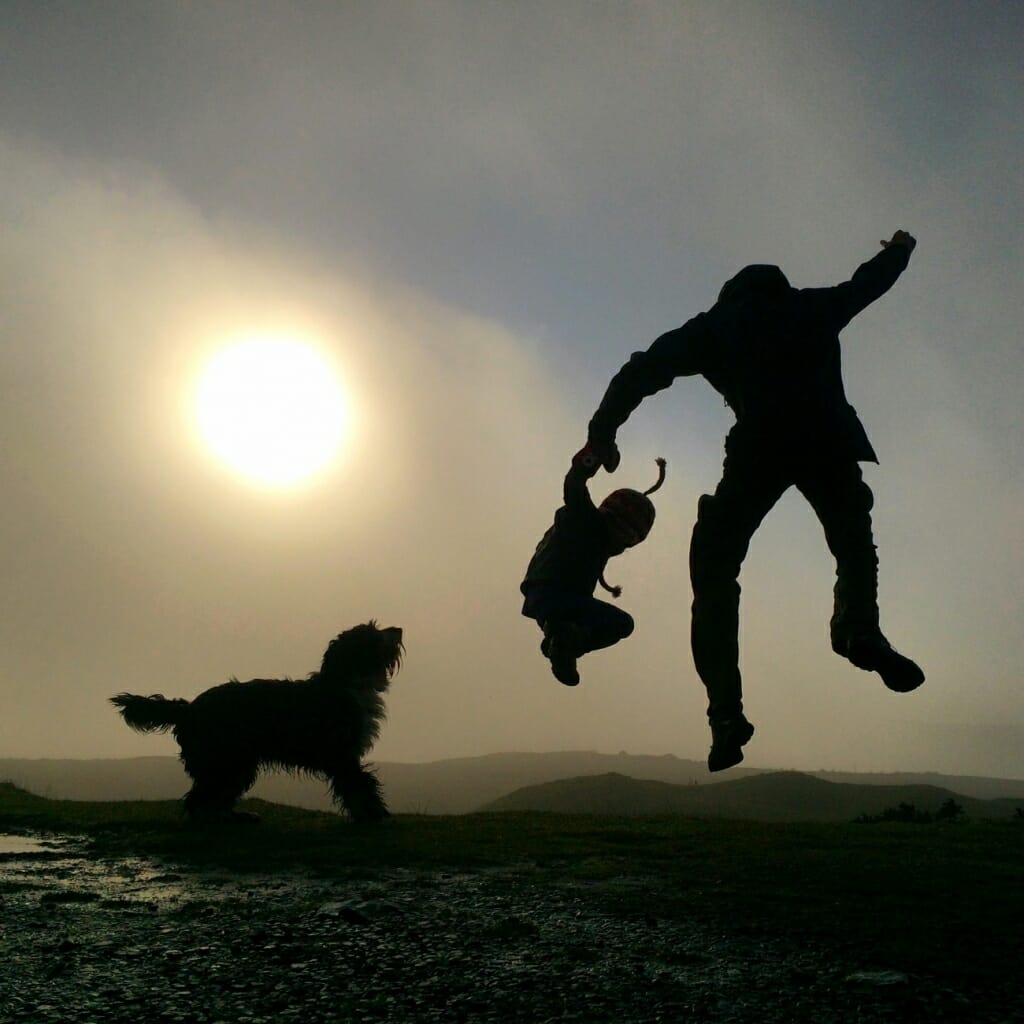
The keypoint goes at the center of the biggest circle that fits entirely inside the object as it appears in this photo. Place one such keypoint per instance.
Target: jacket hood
(758, 278)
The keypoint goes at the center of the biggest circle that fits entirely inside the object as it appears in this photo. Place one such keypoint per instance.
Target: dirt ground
(105, 941)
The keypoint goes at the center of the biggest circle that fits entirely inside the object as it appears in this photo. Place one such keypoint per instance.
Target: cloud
(134, 562)
(483, 215)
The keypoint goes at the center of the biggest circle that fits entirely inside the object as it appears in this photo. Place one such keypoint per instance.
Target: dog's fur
(324, 725)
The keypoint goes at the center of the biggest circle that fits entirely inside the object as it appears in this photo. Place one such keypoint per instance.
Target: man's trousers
(752, 482)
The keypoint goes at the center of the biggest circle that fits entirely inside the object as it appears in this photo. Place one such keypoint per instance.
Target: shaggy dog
(323, 725)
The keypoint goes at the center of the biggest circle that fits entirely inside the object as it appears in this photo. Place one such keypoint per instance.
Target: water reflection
(63, 869)
(20, 846)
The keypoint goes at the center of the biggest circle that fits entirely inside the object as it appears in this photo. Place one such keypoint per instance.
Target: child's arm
(574, 490)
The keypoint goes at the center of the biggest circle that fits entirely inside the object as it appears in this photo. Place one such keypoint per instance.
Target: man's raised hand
(900, 238)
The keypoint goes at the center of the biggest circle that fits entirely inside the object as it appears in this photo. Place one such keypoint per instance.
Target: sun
(272, 409)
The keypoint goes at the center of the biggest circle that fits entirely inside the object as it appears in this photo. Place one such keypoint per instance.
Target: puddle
(21, 846)
(59, 870)
(46, 871)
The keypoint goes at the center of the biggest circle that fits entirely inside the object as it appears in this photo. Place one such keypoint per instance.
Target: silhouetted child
(570, 560)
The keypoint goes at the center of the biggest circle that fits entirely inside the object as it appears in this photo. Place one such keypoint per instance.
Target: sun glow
(272, 409)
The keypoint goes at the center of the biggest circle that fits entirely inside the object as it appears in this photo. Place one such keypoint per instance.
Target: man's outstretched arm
(870, 281)
(677, 353)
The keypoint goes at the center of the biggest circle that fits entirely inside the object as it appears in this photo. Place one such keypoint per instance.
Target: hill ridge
(769, 796)
(448, 786)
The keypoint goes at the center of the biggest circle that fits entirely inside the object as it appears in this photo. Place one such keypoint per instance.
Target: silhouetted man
(773, 352)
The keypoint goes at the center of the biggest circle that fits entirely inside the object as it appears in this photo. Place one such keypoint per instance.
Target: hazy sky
(477, 210)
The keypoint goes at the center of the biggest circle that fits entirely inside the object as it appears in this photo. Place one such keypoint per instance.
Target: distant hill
(461, 785)
(968, 785)
(129, 778)
(772, 796)
(453, 786)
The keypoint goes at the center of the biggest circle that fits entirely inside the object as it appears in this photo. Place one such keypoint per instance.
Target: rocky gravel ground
(88, 942)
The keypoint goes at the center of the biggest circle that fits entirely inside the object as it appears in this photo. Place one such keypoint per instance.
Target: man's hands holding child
(586, 460)
(599, 454)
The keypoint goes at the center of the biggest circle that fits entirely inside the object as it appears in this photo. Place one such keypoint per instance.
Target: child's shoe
(873, 653)
(728, 735)
(563, 643)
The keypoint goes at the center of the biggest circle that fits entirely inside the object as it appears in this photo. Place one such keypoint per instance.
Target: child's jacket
(573, 553)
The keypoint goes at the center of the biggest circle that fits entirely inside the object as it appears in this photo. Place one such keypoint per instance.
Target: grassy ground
(945, 899)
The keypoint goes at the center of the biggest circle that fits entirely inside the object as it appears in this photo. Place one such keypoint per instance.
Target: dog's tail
(150, 714)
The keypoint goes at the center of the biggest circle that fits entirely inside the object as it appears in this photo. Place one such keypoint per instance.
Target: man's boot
(727, 737)
(873, 653)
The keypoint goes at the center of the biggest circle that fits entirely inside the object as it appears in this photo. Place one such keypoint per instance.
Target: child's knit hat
(633, 509)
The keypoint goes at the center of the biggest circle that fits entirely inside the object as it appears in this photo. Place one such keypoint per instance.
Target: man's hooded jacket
(772, 351)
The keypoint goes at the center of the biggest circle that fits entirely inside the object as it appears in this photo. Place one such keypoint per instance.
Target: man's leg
(843, 502)
(726, 521)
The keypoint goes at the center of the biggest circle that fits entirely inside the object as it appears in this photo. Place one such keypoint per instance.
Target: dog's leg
(357, 789)
(207, 800)
(214, 792)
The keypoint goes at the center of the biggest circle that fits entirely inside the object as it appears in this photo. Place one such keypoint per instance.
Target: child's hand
(587, 459)
(606, 452)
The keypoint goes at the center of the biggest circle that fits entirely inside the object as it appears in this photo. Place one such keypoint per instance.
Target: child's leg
(555, 611)
(538, 604)
(602, 625)
(573, 625)
(597, 623)
(591, 626)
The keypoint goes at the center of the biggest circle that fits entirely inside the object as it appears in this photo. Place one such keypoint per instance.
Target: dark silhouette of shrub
(950, 810)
